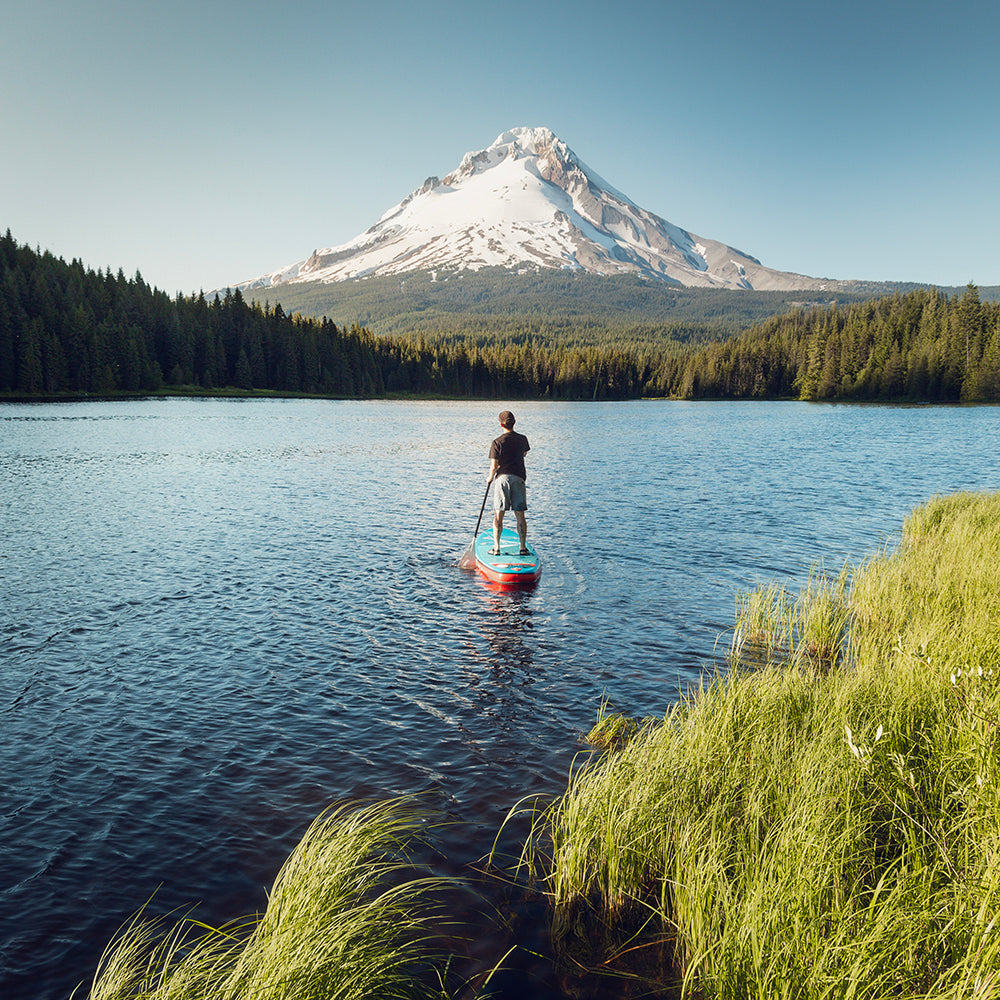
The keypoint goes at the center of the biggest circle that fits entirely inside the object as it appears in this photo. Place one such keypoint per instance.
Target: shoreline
(251, 394)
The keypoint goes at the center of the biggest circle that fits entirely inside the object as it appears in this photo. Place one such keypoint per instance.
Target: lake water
(217, 617)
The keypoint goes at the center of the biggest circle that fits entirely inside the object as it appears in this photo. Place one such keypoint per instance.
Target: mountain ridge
(528, 201)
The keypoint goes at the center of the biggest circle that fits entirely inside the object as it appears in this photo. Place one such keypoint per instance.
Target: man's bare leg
(497, 528)
(522, 529)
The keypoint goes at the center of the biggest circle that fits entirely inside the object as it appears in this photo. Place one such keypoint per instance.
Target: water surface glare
(218, 617)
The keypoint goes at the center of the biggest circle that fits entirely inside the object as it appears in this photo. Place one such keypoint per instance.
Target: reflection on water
(218, 617)
(507, 628)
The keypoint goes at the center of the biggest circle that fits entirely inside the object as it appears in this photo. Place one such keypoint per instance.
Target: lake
(217, 617)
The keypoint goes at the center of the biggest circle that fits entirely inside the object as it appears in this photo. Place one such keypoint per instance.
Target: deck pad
(509, 567)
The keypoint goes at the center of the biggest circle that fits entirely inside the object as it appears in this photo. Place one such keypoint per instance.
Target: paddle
(468, 558)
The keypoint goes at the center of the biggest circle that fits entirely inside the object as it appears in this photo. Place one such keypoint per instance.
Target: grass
(345, 919)
(824, 819)
(811, 629)
(613, 729)
(819, 820)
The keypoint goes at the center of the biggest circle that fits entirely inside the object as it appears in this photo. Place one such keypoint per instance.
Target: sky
(204, 142)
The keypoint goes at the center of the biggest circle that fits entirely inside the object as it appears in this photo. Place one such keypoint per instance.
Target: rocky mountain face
(528, 201)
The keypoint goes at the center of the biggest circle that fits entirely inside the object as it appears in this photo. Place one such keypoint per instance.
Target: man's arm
(494, 465)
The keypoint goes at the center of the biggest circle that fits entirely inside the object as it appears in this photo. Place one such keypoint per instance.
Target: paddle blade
(467, 560)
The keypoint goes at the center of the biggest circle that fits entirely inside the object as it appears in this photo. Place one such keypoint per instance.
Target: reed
(613, 729)
(810, 630)
(345, 919)
(822, 820)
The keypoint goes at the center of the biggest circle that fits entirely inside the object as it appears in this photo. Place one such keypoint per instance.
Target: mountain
(528, 201)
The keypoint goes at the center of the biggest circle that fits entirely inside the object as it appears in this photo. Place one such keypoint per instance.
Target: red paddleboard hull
(509, 568)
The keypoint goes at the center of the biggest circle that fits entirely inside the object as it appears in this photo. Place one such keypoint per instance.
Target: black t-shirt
(509, 450)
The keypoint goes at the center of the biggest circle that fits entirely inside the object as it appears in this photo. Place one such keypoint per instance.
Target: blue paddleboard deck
(509, 567)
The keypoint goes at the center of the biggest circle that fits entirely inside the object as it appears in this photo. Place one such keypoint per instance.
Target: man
(507, 475)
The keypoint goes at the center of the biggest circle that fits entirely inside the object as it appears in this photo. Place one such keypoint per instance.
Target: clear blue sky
(206, 142)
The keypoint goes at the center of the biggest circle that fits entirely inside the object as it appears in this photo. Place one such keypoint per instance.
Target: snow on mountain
(528, 200)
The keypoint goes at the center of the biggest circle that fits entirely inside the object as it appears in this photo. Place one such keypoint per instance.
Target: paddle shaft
(481, 509)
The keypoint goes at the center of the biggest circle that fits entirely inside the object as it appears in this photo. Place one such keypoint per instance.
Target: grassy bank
(820, 820)
(824, 820)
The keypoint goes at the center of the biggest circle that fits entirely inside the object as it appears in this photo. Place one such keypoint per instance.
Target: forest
(68, 332)
(922, 346)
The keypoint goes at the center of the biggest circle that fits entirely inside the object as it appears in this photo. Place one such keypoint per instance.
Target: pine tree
(30, 377)
(244, 374)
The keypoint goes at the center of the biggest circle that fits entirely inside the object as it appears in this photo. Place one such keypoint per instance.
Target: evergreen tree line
(920, 346)
(66, 330)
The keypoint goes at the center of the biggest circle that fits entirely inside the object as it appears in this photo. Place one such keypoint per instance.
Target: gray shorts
(509, 493)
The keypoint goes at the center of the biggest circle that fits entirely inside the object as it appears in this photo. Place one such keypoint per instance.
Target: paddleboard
(509, 567)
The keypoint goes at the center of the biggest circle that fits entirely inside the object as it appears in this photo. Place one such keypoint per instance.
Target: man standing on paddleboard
(507, 475)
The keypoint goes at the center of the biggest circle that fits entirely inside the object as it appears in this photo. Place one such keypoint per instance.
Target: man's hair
(507, 419)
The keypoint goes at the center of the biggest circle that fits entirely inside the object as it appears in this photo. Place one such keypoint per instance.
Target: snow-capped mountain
(529, 200)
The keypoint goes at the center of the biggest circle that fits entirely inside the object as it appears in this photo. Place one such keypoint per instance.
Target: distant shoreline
(245, 394)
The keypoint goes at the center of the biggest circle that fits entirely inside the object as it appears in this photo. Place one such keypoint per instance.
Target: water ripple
(217, 617)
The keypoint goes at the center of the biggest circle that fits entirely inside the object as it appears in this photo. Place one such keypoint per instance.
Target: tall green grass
(345, 920)
(810, 630)
(823, 820)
